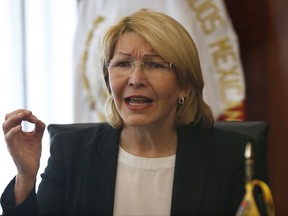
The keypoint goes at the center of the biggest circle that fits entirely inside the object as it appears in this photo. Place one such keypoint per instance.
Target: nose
(136, 79)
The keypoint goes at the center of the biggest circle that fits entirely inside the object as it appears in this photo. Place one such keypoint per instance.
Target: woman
(159, 154)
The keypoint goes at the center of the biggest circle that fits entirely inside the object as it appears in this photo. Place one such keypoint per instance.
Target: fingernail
(27, 112)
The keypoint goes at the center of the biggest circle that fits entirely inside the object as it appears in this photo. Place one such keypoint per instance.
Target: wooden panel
(278, 103)
(261, 26)
(250, 23)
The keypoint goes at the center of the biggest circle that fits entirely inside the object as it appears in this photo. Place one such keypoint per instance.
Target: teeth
(137, 104)
(138, 101)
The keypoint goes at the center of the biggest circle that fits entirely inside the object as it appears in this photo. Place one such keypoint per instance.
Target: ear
(184, 92)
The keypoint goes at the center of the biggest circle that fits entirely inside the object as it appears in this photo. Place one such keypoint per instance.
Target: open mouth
(138, 101)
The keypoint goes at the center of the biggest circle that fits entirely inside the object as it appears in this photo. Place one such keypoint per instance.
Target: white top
(143, 185)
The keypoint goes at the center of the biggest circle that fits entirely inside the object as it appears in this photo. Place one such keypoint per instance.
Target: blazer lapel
(102, 178)
(189, 178)
(190, 172)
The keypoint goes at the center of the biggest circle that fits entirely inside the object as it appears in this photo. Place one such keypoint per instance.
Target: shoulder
(228, 142)
(74, 139)
(214, 133)
(215, 140)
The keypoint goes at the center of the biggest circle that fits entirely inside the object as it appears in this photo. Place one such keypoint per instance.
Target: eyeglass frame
(144, 66)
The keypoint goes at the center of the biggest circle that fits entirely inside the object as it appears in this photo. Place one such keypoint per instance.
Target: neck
(149, 143)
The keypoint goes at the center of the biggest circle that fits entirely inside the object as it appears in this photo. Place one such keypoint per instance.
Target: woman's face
(144, 95)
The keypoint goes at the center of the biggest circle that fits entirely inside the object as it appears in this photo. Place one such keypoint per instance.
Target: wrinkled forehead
(133, 45)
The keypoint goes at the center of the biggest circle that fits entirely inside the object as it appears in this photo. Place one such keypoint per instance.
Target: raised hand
(25, 149)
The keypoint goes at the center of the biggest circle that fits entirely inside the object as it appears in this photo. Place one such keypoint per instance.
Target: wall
(262, 29)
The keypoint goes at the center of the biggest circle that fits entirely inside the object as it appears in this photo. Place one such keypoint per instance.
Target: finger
(30, 118)
(12, 133)
(16, 119)
(11, 121)
(39, 128)
(15, 112)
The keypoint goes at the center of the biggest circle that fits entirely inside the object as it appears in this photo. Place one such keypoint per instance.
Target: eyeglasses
(124, 66)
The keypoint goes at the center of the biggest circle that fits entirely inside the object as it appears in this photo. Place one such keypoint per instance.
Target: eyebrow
(146, 55)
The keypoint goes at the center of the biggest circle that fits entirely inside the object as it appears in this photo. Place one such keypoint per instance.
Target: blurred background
(262, 30)
(38, 42)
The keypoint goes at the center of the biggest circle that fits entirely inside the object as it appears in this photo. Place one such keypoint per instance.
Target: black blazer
(81, 173)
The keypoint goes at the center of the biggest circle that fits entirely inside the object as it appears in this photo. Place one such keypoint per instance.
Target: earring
(181, 100)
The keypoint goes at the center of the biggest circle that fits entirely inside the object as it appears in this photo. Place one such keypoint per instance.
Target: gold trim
(90, 98)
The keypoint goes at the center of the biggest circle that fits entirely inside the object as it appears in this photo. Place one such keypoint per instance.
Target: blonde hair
(174, 44)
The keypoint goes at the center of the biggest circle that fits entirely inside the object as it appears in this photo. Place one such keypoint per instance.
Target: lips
(138, 100)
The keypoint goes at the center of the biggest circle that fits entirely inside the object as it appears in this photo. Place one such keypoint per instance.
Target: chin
(136, 122)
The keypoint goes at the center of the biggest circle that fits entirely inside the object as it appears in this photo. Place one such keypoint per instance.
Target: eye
(154, 64)
(124, 64)
(120, 64)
